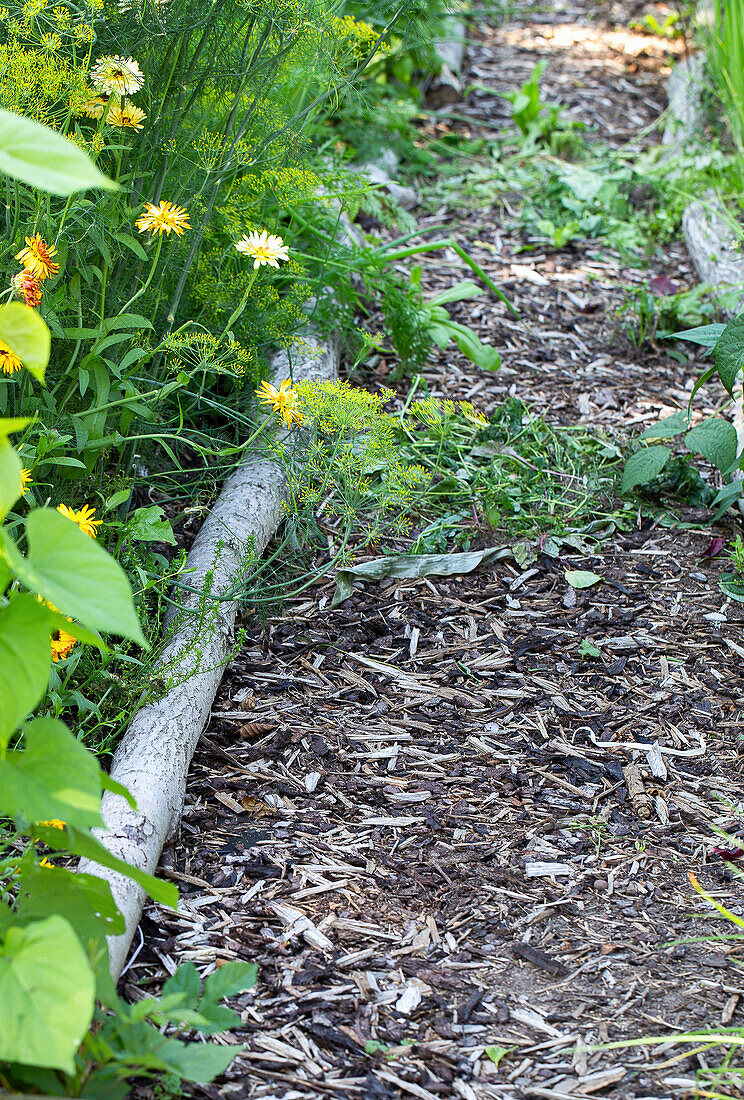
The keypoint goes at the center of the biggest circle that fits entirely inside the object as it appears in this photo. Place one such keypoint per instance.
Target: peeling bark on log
(153, 758)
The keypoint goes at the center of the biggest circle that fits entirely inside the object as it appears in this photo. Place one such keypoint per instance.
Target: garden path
(414, 812)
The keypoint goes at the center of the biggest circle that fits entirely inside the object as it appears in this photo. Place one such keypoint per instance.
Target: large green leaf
(46, 994)
(729, 353)
(644, 466)
(82, 843)
(24, 660)
(75, 574)
(83, 900)
(27, 335)
(55, 777)
(45, 159)
(714, 439)
(10, 477)
(13, 424)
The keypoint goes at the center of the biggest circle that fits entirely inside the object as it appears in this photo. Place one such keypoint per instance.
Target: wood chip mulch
(455, 843)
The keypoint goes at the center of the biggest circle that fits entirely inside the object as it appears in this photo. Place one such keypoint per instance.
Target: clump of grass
(722, 34)
(514, 471)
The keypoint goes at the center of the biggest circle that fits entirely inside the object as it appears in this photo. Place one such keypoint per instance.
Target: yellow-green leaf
(45, 159)
(10, 477)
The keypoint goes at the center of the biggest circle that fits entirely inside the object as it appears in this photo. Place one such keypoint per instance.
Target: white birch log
(445, 87)
(153, 758)
(708, 233)
(684, 117)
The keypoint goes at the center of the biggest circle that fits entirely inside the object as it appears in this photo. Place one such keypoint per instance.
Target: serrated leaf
(10, 477)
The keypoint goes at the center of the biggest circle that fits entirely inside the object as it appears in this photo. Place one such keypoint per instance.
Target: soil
(452, 820)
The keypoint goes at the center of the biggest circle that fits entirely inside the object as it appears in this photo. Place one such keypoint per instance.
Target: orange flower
(27, 288)
(83, 518)
(37, 257)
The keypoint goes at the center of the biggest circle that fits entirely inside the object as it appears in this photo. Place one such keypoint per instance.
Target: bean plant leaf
(75, 574)
(644, 466)
(668, 427)
(46, 994)
(714, 439)
(25, 333)
(233, 977)
(407, 566)
(55, 777)
(45, 159)
(24, 660)
(705, 335)
(729, 353)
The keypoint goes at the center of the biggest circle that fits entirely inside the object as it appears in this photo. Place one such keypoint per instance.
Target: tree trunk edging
(154, 755)
(706, 228)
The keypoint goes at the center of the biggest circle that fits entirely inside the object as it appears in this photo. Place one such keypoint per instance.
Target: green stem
(241, 305)
(147, 282)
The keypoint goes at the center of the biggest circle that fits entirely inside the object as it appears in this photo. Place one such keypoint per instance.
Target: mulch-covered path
(436, 827)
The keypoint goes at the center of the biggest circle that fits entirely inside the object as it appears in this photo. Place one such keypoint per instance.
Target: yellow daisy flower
(46, 864)
(264, 248)
(284, 401)
(83, 518)
(163, 218)
(26, 480)
(126, 115)
(36, 257)
(9, 361)
(62, 645)
(95, 107)
(54, 823)
(120, 75)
